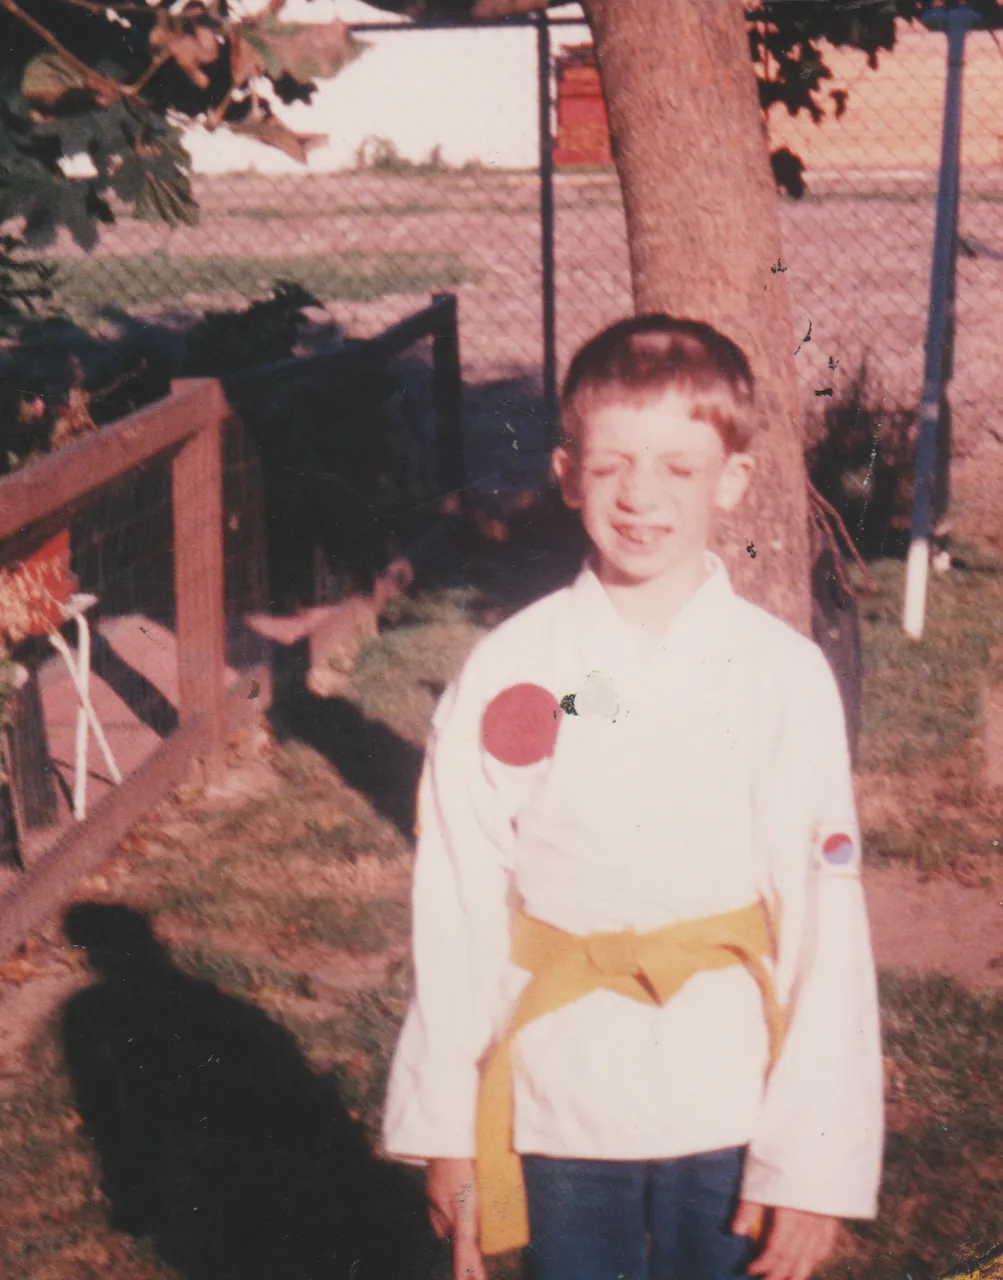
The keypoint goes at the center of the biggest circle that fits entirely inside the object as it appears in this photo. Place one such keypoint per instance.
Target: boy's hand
(796, 1244)
(452, 1206)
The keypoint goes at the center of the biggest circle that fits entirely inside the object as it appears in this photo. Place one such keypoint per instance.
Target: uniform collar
(703, 627)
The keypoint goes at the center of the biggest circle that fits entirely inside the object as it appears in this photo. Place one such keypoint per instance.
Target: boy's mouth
(640, 535)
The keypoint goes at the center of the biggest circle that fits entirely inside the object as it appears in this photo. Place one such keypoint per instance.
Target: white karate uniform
(716, 783)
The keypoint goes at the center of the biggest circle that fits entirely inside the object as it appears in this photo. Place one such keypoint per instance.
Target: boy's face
(648, 480)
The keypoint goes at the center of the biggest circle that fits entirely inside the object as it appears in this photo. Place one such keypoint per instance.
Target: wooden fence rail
(439, 322)
(186, 427)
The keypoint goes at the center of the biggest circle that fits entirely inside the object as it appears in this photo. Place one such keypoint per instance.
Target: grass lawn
(921, 756)
(142, 280)
(292, 903)
(940, 1204)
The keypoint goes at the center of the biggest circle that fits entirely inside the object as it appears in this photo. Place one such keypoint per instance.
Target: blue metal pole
(956, 23)
(547, 223)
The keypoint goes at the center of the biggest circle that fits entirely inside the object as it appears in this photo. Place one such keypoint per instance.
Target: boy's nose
(639, 490)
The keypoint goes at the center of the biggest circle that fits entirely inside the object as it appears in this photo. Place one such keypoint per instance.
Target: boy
(641, 949)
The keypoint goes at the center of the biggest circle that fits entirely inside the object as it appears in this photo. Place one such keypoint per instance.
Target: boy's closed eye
(607, 466)
(594, 460)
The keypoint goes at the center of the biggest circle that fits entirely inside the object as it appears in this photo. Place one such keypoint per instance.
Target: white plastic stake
(917, 573)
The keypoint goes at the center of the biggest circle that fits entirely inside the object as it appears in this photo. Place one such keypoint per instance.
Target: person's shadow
(216, 1140)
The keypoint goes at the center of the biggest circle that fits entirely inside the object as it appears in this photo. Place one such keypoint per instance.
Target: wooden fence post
(197, 501)
(448, 396)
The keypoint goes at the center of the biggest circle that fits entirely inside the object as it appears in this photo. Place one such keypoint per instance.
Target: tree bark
(690, 146)
(510, 8)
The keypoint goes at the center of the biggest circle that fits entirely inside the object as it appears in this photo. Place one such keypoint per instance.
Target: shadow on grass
(217, 1141)
(142, 697)
(369, 755)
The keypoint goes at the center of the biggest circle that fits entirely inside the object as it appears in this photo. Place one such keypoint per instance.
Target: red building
(582, 130)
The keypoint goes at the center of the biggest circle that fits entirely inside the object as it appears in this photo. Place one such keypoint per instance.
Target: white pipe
(917, 572)
(80, 764)
(60, 645)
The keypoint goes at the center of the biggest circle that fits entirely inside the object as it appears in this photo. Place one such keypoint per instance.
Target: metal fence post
(547, 221)
(933, 409)
(448, 395)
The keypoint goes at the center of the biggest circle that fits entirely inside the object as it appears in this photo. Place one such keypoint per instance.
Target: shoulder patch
(520, 724)
(837, 851)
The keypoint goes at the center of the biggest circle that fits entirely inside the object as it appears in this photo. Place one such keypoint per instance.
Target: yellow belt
(648, 967)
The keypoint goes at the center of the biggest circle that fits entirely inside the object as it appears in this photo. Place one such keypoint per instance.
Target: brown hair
(640, 359)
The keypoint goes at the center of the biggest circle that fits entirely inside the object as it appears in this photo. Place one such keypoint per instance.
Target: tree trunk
(690, 146)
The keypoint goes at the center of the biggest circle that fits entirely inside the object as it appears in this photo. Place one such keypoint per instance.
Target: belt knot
(614, 955)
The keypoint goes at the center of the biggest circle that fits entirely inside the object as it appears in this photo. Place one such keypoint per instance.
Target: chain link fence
(858, 243)
(399, 220)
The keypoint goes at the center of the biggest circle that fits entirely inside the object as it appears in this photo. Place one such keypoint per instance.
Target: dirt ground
(937, 924)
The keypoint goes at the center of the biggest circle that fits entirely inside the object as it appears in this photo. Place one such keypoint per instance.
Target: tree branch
(134, 90)
(828, 516)
(94, 6)
(511, 8)
(94, 78)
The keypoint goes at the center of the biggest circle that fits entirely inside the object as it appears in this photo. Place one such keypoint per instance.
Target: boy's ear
(564, 468)
(734, 480)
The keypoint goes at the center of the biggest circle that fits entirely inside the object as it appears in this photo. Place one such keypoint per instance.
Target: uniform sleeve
(461, 931)
(818, 1143)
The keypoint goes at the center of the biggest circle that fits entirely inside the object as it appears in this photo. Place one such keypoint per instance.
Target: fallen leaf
(94, 884)
(968, 872)
(70, 1122)
(134, 845)
(19, 971)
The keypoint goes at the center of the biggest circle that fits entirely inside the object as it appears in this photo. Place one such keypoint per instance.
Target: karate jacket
(690, 774)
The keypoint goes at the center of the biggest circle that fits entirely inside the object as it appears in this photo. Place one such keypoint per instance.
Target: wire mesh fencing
(400, 219)
(117, 658)
(979, 346)
(114, 658)
(858, 243)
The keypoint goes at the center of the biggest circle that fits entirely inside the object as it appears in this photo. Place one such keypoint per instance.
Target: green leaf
(127, 180)
(49, 77)
(167, 200)
(303, 50)
(160, 167)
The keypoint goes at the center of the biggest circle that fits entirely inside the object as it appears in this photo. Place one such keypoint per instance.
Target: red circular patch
(520, 724)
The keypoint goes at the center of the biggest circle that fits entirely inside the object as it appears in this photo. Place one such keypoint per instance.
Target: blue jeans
(635, 1219)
